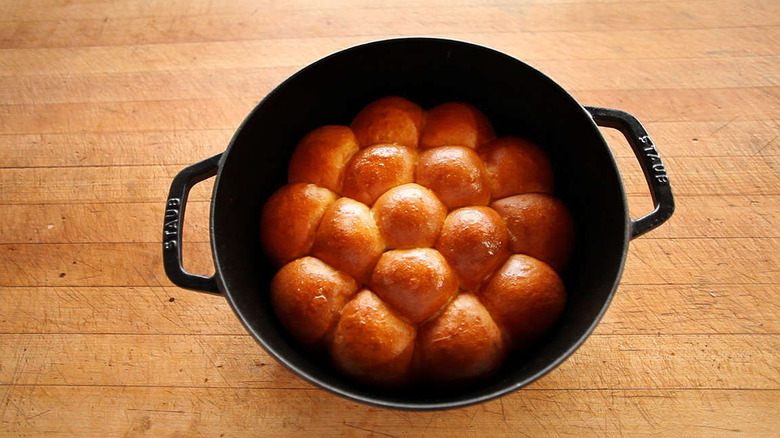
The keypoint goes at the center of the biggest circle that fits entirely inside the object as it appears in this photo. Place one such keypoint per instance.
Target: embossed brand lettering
(171, 227)
(660, 173)
(650, 152)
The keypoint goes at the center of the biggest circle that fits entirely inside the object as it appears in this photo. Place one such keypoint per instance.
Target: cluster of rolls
(415, 245)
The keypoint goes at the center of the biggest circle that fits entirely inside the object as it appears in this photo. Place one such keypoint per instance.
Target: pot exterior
(518, 99)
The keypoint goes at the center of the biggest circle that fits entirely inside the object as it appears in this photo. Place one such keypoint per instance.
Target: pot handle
(174, 223)
(649, 160)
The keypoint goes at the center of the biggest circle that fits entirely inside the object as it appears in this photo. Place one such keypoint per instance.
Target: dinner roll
(539, 225)
(321, 156)
(456, 174)
(514, 166)
(371, 343)
(417, 283)
(525, 297)
(390, 119)
(289, 220)
(463, 343)
(456, 124)
(409, 216)
(348, 239)
(474, 240)
(374, 170)
(308, 295)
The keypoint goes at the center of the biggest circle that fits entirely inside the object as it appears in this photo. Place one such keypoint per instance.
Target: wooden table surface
(103, 102)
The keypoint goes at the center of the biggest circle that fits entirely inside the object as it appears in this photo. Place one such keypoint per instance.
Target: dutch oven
(517, 98)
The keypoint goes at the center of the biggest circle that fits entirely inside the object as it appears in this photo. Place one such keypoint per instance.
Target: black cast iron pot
(518, 99)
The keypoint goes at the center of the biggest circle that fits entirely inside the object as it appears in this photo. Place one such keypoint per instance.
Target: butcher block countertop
(103, 102)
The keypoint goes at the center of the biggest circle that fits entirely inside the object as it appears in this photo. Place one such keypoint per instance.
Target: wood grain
(566, 44)
(102, 103)
(238, 82)
(683, 361)
(152, 310)
(674, 261)
(291, 412)
(674, 139)
(725, 216)
(681, 310)
(536, 16)
(704, 105)
(695, 177)
(148, 310)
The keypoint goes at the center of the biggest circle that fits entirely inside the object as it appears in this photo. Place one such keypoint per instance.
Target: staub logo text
(171, 228)
(657, 166)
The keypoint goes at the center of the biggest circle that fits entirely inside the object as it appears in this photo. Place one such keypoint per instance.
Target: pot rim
(380, 401)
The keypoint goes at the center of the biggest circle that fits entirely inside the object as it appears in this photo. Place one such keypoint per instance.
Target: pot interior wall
(518, 100)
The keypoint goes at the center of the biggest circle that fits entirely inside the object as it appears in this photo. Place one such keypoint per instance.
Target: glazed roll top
(322, 155)
(392, 119)
(456, 124)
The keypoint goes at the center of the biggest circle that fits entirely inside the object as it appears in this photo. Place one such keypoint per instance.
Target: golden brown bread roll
(371, 343)
(391, 119)
(539, 225)
(456, 174)
(348, 239)
(474, 240)
(456, 124)
(376, 169)
(514, 166)
(417, 283)
(290, 219)
(463, 343)
(321, 156)
(409, 216)
(525, 297)
(308, 296)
